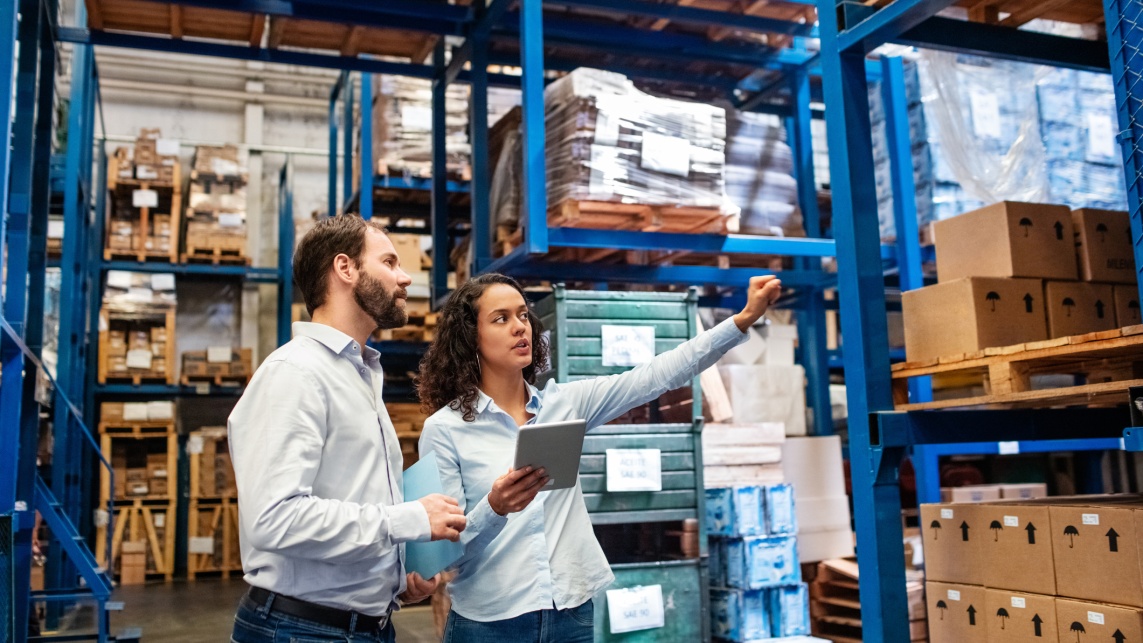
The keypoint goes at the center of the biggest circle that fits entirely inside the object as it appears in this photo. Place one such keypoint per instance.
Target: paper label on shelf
(202, 388)
(218, 354)
(145, 199)
(606, 128)
(666, 154)
(163, 281)
(139, 358)
(415, 118)
(1011, 521)
(1018, 601)
(55, 229)
(635, 608)
(231, 220)
(160, 410)
(634, 470)
(946, 514)
(160, 520)
(120, 279)
(200, 545)
(985, 113)
(954, 595)
(194, 444)
(1008, 448)
(1101, 137)
(628, 345)
(1091, 519)
(135, 411)
(167, 146)
(1095, 617)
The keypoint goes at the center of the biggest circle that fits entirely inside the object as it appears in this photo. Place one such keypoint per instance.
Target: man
(316, 458)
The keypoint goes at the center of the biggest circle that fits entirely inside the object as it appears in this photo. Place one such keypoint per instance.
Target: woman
(530, 576)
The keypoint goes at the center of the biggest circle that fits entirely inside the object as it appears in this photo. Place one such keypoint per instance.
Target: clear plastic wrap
(402, 126)
(758, 175)
(139, 292)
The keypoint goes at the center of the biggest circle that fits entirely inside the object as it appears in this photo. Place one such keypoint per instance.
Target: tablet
(555, 446)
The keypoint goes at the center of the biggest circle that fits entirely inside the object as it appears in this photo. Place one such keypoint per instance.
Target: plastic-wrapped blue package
(790, 610)
(735, 511)
(756, 562)
(740, 615)
(1063, 141)
(780, 517)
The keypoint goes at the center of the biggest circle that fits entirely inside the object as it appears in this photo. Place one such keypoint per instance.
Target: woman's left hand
(418, 589)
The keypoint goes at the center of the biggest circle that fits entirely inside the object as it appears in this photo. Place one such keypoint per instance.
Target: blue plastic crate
(736, 511)
(716, 561)
(790, 610)
(756, 562)
(780, 517)
(740, 615)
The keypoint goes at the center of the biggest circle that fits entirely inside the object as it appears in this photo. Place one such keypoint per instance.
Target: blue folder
(427, 558)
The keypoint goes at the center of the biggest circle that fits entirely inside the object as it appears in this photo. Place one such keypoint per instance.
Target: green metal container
(685, 598)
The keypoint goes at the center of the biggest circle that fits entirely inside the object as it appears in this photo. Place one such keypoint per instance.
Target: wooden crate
(212, 538)
(1015, 13)
(421, 328)
(1110, 361)
(235, 373)
(151, 438)
(152, 521)
(211, 470)
(835, 603)
(121, 191)
(105, 373)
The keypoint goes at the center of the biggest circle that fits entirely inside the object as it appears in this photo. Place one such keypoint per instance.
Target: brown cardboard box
(1007, 239)
(158, 486)
(1077, 308)
(1080, 621)
(111, 412)
(1096, 550)
(952, 537)
(117, 363)
(133, 563)
(159, 334)
(1024, 491)
(1126, 305)
(408, 251)
(1013, 616)
(971, 314)
(139, 339)
(956, 613)
(136, 474)
(973, 493)
(138, 488)
(217, 368)
(1016, 547)
(1104, 246)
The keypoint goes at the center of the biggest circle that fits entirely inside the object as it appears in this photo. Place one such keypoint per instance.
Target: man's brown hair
(313, 259)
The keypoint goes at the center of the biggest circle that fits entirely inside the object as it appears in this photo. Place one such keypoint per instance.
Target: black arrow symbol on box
(964, 531)
(1031, 529)
(1037, 621)
(971, 615)
(1059, 231)
(1028, 302)
(1119, 637)
(1112, 540)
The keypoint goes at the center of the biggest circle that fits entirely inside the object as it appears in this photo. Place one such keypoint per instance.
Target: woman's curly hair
(450, 370)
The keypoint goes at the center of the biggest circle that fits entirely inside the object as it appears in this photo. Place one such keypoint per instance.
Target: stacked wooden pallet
(212, 517)
(216, 208)
(136, 348)
(835, 603)
(146, 195)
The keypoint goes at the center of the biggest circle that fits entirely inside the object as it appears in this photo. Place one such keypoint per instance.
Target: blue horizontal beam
(416, 183)
(1006, 43)
(887, 23)
(681, 275)
(690, 15)
(734, 243)
(1031, 446)
(899, 429)
(411, 15)
(261, 275)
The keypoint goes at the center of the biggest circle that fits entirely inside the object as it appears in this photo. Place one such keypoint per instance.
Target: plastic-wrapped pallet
(759, 175)
(608, 141)
(403, 123)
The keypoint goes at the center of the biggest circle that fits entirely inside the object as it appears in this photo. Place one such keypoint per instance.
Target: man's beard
(369, 293)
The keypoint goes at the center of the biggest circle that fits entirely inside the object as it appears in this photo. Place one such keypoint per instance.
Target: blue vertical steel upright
(285, 250)
(347, 138)
(365, 157)
(904, 193)
(1124, 21)
(338, 87)
(811, 317)
(480, 186)
(534, 194)
(862, 298)
(438, 283)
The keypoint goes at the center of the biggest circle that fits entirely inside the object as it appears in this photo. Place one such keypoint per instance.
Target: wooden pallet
(232, 381)
(835, 604)
(212, 525)
(199, 176)
(420, 328)
(215, 256)
(105, 375)
(137, 429)
(1111, 362)
(140, 520)
(1015, 13)
(112, 254)
(606, 215)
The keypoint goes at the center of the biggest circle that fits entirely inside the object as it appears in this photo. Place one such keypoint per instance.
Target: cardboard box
(1007, 239)
(1096, 551)
(1104, 246)
(111, 412)
(1077, 308)
(1082, 621)
(971, 314)
(973, 493)
(408, 248)
(953, 536)
(1013, 617)
(1027, 491)
(956, 612)
(1016, 547)
(1126, 305)
(158, 486)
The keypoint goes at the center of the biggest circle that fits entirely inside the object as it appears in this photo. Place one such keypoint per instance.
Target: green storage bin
(685, 606)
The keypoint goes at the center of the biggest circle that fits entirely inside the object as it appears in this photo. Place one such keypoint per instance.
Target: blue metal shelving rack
(879, 437)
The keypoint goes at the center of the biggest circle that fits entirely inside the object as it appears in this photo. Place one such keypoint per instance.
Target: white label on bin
(666, 154)
(985, 113)
(144, 198)
(1011, 521)
(1008, 448)
(416, 118)
(1091, 519)
(200, 545)
(1100, 135)
(635, 608)
(1018, 601)
(1095, 617)
(946, 514)
(194, 444)
(628, 345)
(218, 354)
(634, 470)
(954, 595)
(163, 281)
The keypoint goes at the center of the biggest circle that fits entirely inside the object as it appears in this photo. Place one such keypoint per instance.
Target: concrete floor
(202, 611)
